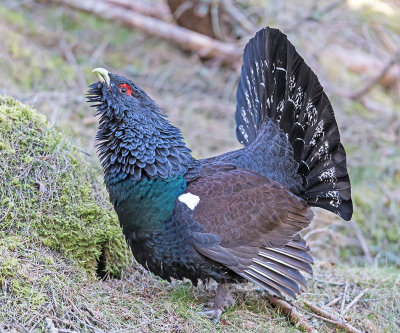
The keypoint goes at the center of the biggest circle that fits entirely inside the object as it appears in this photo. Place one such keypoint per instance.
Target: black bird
(236, 216)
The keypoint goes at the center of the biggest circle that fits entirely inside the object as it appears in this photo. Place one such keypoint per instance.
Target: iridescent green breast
(146, 204)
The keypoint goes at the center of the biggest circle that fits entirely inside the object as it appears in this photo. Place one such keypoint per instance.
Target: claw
(223, 301)
(212, 314)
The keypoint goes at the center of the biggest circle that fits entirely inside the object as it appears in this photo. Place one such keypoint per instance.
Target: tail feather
(277, 86)
(278, 269)
(268, 277)
(264, 283)
(286, 258)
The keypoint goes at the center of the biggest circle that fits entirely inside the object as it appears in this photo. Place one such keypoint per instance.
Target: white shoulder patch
(189, 200)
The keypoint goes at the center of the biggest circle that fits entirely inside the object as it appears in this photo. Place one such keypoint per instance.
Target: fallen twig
(100, 49)
(354, 301)
(93, 317)
(131, 328)
(50, 326)
(318, 14)
(239, 17)
(325, 315)
(229, 53)
(319, 230)
(159, 10)
(71, 59)
(333, 302)
(377, 78)
(331, 283)
(38, 319)
(214, 11)
(391, 257)
(344, 298)
(292, 313)
(6, 213)
(369, 65)
(362, 241)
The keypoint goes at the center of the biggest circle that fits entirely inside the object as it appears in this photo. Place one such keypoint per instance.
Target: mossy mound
(49, 193)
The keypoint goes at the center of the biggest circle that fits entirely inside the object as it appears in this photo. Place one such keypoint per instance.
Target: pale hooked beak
(102, 75)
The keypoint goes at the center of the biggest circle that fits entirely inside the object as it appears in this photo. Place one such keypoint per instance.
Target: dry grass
(42, 285)
(37, 67)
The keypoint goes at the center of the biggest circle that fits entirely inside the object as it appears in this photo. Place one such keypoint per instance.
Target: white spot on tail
(189, 200)
(243, 132)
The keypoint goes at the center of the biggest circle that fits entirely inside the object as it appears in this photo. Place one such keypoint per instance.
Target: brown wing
(245, 208)
(256, 219)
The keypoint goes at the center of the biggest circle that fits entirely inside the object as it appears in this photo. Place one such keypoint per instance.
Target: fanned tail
(278, 270)
(278, 90)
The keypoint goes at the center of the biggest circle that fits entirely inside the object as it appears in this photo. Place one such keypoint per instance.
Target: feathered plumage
(246, 208)
(278, 90)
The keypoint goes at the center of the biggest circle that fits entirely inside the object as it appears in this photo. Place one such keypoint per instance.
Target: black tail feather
(278, 269)
(277, 85)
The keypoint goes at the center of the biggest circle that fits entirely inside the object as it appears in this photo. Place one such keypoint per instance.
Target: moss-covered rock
(49, 193)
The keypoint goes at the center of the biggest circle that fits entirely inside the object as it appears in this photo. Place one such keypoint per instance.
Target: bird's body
(235, 216)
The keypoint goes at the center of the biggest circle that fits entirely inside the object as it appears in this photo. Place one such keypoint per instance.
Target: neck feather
(141, 147)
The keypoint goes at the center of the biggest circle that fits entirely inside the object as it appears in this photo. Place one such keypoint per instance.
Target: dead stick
(292, 313)
(344, 298)
(311, 314)
(70, 57)
(362, 241)
(354, 301)
(377, 78)
(229, 53)
(331, 318)
(239, 16)
(50, 326)
(333, 302)
(159, 10)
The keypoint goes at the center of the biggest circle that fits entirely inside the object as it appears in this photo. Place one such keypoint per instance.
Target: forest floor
(46, 57)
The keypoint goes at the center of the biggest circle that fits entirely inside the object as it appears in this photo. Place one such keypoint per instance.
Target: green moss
(49, 192)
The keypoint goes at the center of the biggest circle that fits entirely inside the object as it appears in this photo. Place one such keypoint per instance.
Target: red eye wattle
(125, 89)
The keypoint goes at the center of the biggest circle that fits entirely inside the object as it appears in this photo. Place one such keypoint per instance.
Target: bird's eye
(125, 89)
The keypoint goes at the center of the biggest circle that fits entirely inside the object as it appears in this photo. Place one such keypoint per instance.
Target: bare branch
(333, 302)
(239, 17)
(229, 53)
(159, 10)
(344, 297)
(70, 57)
(354, 301)
(50, 326)
(362, 241)
(377, 78)
(325, 315)
(292, 313)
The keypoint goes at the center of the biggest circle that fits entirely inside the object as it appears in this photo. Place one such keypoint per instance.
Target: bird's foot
(223, 301)
(212, 314)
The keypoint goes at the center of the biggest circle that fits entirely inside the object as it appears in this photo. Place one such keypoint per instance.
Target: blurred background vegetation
(48, 49)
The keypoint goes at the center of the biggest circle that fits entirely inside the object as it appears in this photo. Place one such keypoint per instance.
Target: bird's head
(135, 139)
(120, 98)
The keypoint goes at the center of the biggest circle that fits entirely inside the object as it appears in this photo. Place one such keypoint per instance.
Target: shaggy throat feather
(141, 143)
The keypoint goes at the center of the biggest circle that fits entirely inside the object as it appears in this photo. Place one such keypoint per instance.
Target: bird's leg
(222, 302)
